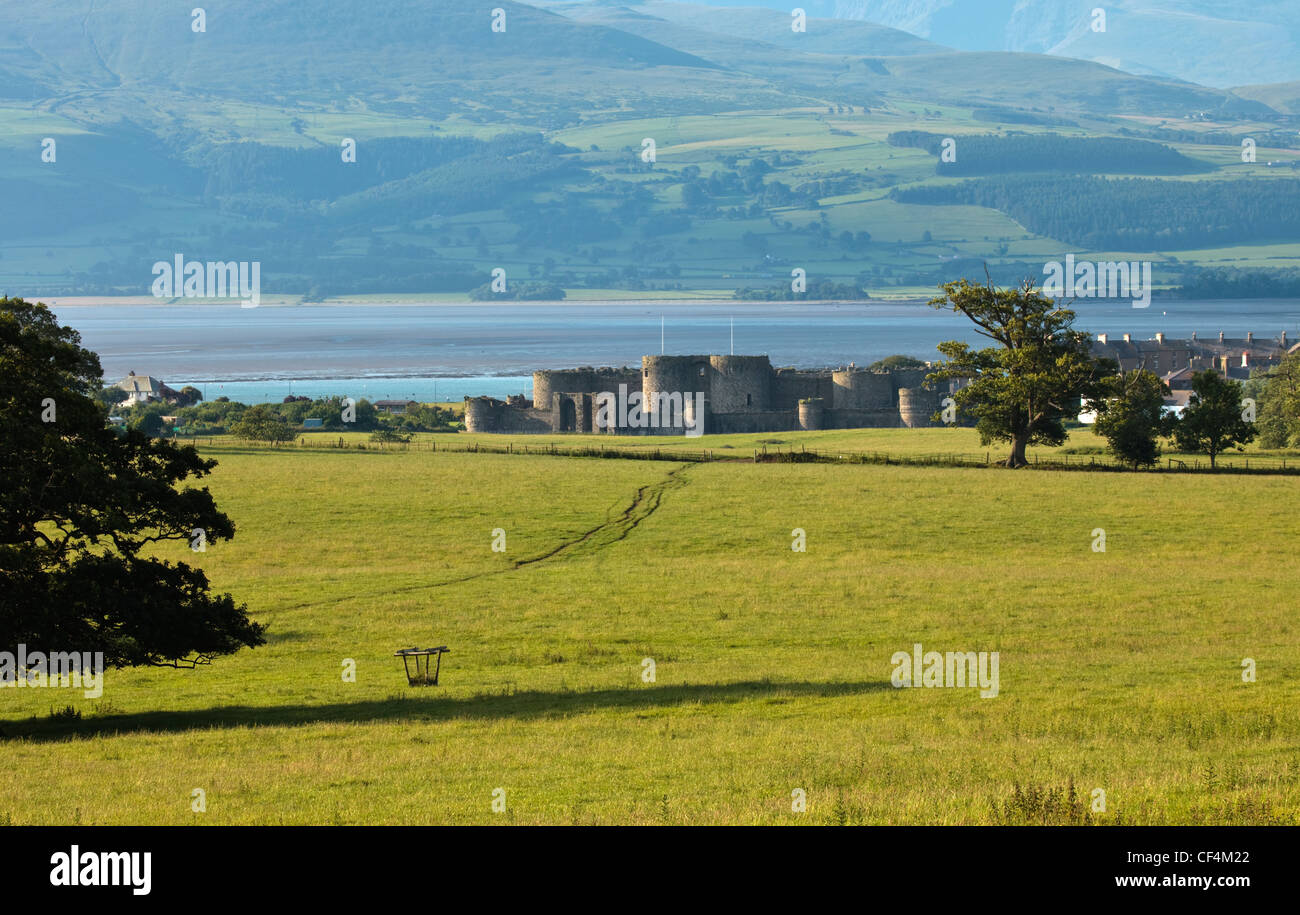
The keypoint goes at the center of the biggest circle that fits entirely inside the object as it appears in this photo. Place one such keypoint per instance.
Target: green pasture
(1119, 670)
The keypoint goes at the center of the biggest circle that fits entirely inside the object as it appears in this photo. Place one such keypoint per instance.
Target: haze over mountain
(129, 58)
(1217, 43)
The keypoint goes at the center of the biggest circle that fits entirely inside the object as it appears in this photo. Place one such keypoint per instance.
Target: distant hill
(1283, 97)
(762, 42)
(139, 60)
(751, 22)
(1211, 42)
(399, 54)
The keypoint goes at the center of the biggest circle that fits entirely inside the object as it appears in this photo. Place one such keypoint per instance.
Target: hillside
(526, 149)
(1283, 97)
(129, 57)
(1211, 42)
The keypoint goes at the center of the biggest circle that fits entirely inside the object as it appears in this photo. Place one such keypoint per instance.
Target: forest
(1131, 214)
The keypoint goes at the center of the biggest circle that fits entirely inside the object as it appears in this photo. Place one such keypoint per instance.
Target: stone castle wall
(741, 394)
(746, 394)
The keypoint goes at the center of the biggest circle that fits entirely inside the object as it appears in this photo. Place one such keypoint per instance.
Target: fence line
(799, 455)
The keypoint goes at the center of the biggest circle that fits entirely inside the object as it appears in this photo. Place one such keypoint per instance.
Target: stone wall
(548, 383)
(789, 386)
(487, 414)
(742, 394)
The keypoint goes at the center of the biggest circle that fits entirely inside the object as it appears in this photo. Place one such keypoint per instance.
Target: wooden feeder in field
(416, 662)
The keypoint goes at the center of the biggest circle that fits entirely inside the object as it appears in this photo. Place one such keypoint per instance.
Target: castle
(721, 394)
(733, 394)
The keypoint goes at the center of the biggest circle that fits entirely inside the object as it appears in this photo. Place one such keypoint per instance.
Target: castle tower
(740, 384)
(811, 416)
(665, 383)
(917, 405)
(856, 389)
(480, 415)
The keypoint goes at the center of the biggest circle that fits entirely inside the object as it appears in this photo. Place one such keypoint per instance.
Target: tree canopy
(1279, 404)
(260, 423)
(81, 506)
(1214, 419)
(1024, 389)
(1131, 417)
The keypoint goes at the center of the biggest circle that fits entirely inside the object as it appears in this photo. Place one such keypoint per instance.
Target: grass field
(956, 444)
(1119, 670)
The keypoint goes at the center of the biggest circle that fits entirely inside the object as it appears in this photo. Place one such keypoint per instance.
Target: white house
(141, 388)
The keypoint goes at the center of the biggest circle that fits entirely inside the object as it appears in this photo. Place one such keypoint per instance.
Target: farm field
(938, 443)
(1118, 670)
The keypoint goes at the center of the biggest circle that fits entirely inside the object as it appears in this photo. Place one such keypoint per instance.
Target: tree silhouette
(80, 508)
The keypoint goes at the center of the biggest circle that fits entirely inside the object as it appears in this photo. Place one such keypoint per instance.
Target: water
(445, 352)
(425, 390)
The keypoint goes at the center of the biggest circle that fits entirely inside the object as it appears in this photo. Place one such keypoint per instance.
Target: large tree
(1024, 389)
(1131, 417)
(81, 506)
(1214, 419)
(1279, 404)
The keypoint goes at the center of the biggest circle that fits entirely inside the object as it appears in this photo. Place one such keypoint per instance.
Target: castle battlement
(738, 394)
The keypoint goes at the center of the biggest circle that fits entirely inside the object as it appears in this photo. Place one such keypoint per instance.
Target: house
(142, 388)
(395, 407)
(1179, 380)
(1232, 358)
(313, 423)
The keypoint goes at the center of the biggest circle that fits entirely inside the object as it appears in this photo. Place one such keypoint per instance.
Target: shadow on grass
(426, 704)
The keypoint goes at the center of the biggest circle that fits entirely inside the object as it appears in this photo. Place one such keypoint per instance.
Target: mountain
(867, 59)
(1216, 43)
(528, 147)
(125, 57)
(754, 23)
(141, 61)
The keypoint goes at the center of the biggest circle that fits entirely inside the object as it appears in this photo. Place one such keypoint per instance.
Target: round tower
(810, 414)
(672, 375)
(855, 389)
(917, 405)
(543, 388)
(546, 384)
(740, 384)
(479, 415)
